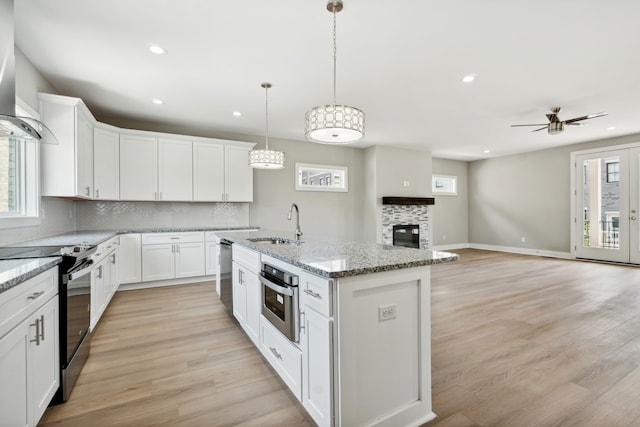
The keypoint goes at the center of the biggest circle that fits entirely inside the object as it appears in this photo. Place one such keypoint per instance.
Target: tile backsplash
(118, 215)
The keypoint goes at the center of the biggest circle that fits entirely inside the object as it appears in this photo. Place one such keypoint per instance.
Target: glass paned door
(602, 199)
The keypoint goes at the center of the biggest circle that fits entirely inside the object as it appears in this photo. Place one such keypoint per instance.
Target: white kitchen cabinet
(175, 170)
(212, 252)
(106, 164)
(172, 255)
(67, 168)
(222, 173)
(138, 167)
(130, 258)
(317, 368)
(104, 278)
(29, 349)
(283, 356)
(246, 291)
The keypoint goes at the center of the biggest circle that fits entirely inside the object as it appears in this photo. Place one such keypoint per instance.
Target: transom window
(613, 171)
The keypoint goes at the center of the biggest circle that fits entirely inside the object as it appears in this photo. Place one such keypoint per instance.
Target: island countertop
(333, 258)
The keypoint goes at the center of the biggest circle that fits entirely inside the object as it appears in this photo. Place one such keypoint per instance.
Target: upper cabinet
(175, 170)
(97, 161)
(221, 173)
(138, 167)
(106, 164)
(67, 169)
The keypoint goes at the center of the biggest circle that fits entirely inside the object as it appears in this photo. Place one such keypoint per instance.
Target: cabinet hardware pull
(160, 197)
(312, 294)
(100, 272)
(97, 193)
(174, 238)
(42, 327)
(302, 322)
(113, 259)
(35, 295)
(275, 353)
(37, 325)
(88, 190)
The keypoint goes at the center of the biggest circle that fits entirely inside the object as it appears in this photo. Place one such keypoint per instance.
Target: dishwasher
(224, 276)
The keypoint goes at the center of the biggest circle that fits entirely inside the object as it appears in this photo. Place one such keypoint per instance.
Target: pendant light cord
(266, 107)
(335, 55)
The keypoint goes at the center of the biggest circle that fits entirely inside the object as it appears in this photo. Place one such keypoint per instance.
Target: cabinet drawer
(285, 358)
(247, 258)
(105, 248)
(316, 292)
(161, 238)
(19, 301)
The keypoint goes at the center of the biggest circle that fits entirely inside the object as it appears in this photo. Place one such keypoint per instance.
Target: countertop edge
(23, 277)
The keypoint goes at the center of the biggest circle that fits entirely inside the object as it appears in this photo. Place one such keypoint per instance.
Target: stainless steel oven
(280, 304)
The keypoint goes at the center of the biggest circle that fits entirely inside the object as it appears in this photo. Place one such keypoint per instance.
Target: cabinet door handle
(99, 272)
(88, 190)
(42, 327)
(113, 259)
(37, 325)
(302, 322)
(36, 295)
(312, 294)
(155, 195)
(275, 353)
(160, 196)
(97, 193)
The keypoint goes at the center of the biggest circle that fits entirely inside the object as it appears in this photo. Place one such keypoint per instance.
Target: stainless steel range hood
(11, 126)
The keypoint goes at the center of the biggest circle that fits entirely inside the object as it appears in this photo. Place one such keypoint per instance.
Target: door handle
(632, 218)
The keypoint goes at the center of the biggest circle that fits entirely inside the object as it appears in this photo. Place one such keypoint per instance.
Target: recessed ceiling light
(611, 128)
(237, 113)
(158, 101)
(486, 151)
(154, 48)
(468, 78)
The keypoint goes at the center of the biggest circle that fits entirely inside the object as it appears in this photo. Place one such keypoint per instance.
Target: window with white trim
(446, 185)
(19, 178)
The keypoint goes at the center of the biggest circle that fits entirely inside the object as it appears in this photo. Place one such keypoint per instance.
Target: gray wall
(451, 213)
(526, 195)
(386, 170)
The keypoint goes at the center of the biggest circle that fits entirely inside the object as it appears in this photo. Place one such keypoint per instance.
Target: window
(19, 192)
(445, 185)
(321, 178)
(613, 171)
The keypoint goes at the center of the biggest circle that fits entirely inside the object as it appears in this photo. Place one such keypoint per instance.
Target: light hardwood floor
(517, 341)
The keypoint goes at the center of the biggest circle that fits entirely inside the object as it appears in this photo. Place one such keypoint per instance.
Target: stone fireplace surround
(407, 211)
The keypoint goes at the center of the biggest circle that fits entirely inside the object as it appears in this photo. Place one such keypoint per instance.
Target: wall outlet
(387, 312)
(523, 240)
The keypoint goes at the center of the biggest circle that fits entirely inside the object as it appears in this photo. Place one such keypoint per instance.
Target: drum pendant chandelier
(266, 159)
(334, 124)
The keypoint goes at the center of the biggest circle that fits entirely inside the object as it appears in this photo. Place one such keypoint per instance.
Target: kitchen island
(363, 357)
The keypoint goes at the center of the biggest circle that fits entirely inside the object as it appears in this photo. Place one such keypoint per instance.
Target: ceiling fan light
(555, 128)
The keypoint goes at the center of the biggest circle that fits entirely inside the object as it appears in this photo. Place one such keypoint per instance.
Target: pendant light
(266, 159)
(334, 124)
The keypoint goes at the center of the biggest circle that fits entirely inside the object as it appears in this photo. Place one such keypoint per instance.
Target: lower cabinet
(129, 258)
(29, 354)
(104, 278)
(246, 291)
(172, 255)
(284, 356)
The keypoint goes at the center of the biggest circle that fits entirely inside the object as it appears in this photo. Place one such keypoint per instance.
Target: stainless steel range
(75, 305)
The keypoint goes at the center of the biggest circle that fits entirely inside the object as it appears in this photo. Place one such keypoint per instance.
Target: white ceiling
(400, 61)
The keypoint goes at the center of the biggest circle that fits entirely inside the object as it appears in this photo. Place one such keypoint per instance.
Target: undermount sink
(275, 241)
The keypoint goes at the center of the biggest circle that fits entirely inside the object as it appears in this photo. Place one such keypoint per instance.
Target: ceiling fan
(556, 126)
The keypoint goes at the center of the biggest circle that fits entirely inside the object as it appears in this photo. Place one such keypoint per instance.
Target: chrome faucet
(298, 230)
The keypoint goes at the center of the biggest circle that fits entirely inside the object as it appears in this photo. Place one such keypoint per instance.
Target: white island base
(383, 367)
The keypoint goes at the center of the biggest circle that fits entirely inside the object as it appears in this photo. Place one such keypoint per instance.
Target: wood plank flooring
(517, 341)
(530, 341)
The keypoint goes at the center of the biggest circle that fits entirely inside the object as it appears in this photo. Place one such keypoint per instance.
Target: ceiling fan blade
(578, 124)
(590, 116)
(537, 124)
(543, 127)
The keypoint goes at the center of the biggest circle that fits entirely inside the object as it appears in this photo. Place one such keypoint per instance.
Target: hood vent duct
(11, 126)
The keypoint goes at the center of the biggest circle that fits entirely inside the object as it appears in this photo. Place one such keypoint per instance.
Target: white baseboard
(522, 251)
(169, 282)
(510, 249)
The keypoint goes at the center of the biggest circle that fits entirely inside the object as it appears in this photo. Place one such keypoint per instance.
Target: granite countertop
(15, 271)
(95, 237)
(333, 258)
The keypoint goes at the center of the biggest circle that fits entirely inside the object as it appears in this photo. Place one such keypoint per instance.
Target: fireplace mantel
(408, 201)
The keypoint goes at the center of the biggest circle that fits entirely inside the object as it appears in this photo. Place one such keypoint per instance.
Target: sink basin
(274, 241)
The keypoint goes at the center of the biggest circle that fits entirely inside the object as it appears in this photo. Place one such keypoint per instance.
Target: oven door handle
(83, 269)
(281, 289)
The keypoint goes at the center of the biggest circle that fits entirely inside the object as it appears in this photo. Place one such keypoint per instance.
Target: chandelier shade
(266, 159)
(334, 123)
